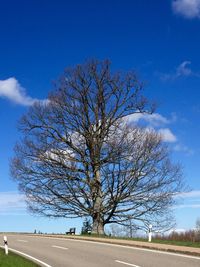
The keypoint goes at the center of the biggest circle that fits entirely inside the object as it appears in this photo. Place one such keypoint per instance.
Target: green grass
(13, 260)
(160, 241)
(178, 243)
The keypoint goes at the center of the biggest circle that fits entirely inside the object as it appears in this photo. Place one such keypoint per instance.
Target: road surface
(59, 252)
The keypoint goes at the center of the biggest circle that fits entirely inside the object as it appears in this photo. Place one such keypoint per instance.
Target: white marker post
(6, 245)
(150, 232)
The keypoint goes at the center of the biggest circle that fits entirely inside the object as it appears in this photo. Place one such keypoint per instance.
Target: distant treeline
(187, 236)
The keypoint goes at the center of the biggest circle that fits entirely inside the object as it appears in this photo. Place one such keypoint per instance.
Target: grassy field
(13, 260)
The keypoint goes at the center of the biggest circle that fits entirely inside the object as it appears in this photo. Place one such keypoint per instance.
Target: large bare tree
(81, 156)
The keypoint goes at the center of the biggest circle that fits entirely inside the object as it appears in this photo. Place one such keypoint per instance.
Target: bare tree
(198, 229)
(81, 156)
(117, 231)
(198, 224)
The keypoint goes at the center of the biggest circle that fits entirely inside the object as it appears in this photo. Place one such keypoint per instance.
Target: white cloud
(167, 135)
(187, 8)
(154, 119)
(183, 70)
(12, 90)
(158, 123)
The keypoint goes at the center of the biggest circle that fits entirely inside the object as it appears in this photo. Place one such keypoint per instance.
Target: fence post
(150, 232)
(6, 245)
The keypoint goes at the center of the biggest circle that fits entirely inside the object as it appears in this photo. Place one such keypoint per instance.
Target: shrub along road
(60, 252)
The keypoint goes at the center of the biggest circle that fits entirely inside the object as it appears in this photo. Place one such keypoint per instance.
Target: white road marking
(122, 246)
(28, 256)
(20, 240)
(126, 263)
(59, 247)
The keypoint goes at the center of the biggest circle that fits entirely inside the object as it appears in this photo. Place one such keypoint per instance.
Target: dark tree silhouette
(81, 156)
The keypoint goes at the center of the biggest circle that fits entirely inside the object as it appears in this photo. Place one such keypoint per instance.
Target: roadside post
(150, 232)
(6, 245)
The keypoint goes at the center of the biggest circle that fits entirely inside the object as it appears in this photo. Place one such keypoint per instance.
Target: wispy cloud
(187, 197)
(191, 194)
(183, 70)
(12, 203)
(12, 90)
(187, 8)
(183, 148)
(191, 206)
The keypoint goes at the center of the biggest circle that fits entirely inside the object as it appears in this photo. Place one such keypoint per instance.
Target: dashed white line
(30, 257)
(126, 263)
(20, 240)
(59, 247)
(122, 246)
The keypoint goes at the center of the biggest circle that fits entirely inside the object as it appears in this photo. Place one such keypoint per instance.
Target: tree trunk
(98, 222)
(98, 225)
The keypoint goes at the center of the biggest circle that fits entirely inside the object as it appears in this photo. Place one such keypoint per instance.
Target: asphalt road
(56, 252)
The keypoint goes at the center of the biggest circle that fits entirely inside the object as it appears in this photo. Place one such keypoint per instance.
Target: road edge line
(28, 256)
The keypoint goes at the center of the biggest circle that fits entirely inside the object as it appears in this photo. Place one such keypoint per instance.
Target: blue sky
(158, 39)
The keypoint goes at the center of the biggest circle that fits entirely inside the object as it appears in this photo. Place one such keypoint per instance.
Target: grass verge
(178, 243)
(14, 260)
(158, 241)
